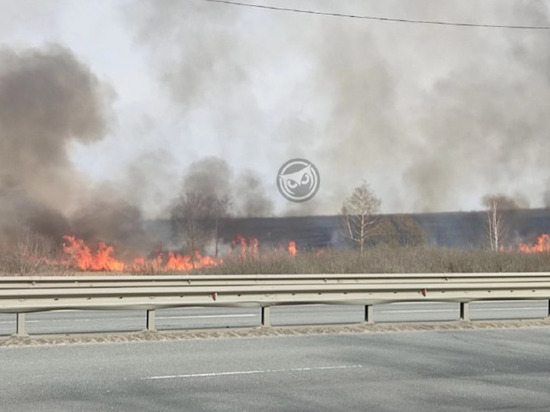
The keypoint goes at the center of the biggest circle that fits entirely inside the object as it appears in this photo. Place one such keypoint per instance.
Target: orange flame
(242, 241)
(79, 255)
(292, 248)
(541, 245)
(253, 246)
(249, 248)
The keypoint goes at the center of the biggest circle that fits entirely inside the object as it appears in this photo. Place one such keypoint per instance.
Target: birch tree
(496, 227)
(360, 215)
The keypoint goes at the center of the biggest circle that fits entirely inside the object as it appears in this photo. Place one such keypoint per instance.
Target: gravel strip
(81, 338)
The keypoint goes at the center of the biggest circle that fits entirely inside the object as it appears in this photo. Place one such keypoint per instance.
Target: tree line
(197, 218)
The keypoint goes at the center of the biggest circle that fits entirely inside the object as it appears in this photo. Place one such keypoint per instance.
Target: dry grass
(385, 260)
(29, 254)
(27, 258)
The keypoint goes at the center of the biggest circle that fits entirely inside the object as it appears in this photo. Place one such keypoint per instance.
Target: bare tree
(30, 253)
(188, 221)
(197, 217)
(500, 216)
(496, 227)
(219, 209)
(360, 215)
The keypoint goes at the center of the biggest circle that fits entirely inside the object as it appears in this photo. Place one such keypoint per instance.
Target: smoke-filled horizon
(433, 118)
(103, 126)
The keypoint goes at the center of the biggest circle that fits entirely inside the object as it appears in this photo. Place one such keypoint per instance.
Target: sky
(432, 117)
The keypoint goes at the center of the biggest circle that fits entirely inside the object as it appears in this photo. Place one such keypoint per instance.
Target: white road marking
(251, 372)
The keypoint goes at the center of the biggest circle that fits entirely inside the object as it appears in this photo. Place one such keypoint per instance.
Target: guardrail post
(150, 320)
(464, 311)
(549, 308)
(266, 316)
(369, 314)
(20, 325)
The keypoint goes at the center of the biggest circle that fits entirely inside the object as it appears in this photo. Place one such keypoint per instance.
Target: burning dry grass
(31, 254)
(384, 260)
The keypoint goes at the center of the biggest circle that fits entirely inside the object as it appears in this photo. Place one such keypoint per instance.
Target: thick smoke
(210, 193)
(546, 198)
(433, 117)
(110, 219)
(503, 202)
(251, 199)
(47, 100)
(212, 177)
(149, 183)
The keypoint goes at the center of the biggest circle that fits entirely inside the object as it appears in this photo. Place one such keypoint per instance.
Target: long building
(450, 229)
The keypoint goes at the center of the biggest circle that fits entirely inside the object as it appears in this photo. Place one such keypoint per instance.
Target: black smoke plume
(48, 99)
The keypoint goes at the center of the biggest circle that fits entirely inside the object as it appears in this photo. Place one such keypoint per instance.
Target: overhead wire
(379, 18)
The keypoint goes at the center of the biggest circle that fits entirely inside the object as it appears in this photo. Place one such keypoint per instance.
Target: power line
(388, 19)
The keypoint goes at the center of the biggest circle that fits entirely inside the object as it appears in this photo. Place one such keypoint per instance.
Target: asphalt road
(192, 318)
(477, 370)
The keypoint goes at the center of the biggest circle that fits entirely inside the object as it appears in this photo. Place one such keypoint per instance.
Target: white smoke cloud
(433, 117)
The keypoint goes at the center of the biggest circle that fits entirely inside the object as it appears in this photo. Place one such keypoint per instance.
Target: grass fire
(248, 256)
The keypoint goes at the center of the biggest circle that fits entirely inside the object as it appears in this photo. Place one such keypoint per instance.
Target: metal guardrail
(21, 295)
(125, 280)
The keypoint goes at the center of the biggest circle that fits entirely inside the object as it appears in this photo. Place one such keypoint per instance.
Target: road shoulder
(141, 336)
